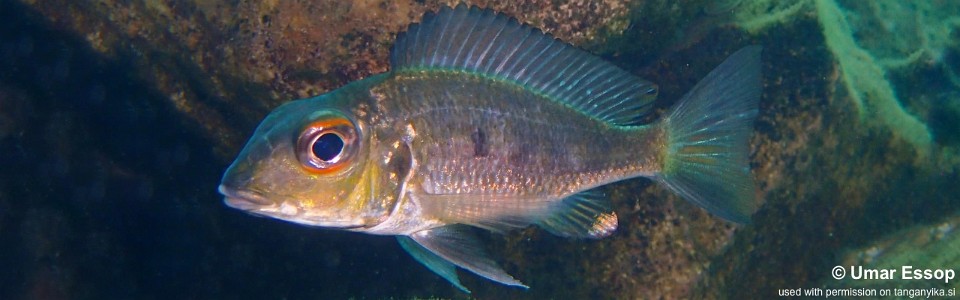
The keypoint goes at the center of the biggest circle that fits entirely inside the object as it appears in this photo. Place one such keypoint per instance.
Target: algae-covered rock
(872, 41)
(118, 117)
(901, 254)
(865, 81)
(224, 64)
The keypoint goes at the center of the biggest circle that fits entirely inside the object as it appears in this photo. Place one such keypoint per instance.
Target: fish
(486, 123)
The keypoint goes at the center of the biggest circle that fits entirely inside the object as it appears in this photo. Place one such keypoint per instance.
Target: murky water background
(117, 119)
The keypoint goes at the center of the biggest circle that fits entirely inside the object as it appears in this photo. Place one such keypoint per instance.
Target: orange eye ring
(327, 144)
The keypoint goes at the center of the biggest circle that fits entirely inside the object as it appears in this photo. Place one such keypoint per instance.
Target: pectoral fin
(440, 247)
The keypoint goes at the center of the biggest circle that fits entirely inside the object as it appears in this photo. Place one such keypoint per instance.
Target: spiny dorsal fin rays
(493, 45)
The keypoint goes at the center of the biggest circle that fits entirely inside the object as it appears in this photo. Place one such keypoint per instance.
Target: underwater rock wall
(881, 47)
(853, 153)
(208, 56)
(118, 118)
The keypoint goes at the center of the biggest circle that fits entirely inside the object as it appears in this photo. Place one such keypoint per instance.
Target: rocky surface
(118, 117)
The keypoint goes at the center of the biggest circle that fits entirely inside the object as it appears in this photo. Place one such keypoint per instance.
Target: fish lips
(258, 205)
(243, 200)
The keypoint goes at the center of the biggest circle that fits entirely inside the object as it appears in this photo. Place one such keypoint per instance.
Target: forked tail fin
(708, 131)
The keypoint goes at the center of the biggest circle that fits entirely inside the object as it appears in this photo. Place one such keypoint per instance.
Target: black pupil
(327, 146)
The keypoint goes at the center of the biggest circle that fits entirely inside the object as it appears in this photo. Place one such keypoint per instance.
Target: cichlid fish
(485, 122)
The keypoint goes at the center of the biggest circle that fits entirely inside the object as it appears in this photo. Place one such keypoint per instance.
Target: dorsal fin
(486, 43)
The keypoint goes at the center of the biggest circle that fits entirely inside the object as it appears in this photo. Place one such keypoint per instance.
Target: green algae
(755, 16)
(864, 76)
(865, 79)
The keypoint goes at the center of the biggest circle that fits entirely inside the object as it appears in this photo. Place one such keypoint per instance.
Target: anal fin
(587, 214)
(440, 247)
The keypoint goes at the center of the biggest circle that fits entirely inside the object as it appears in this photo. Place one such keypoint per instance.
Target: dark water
(107, 189)
(107, 194)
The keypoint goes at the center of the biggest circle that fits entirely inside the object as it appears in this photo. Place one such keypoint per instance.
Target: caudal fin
(708, 133)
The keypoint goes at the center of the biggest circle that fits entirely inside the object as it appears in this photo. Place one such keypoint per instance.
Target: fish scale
(533, 140)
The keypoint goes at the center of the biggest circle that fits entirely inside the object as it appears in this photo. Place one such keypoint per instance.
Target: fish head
(307, 163)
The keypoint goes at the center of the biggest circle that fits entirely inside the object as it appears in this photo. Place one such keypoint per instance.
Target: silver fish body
(485, 151)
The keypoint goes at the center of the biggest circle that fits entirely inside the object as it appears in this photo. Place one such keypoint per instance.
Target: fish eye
(327, 144)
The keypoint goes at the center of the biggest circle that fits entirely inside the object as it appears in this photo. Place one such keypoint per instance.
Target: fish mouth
(244, 200)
